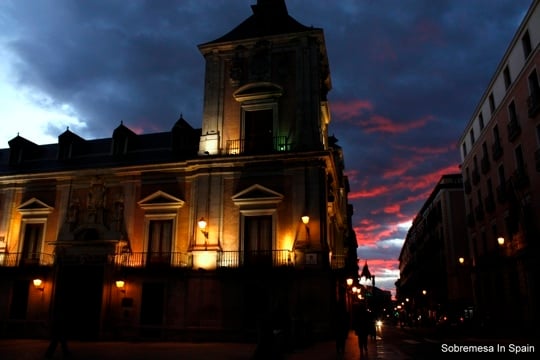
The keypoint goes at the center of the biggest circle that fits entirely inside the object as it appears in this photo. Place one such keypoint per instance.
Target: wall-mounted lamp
(500, 240)
(38, 284)
(121, 285)
(461, 260)
(202, 226)
(349, 281)
(305, 219)
(424, 292)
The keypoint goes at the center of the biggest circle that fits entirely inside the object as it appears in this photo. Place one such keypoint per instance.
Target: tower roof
(270, 17)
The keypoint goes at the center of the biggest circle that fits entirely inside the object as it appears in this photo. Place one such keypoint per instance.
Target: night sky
(406, 78)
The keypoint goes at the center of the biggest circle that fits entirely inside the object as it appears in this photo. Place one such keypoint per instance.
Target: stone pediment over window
(160, 201)
(258, 91)
(35, 206)
(257, 195)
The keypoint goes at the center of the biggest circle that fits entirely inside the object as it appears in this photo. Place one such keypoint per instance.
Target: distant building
(500, 152)
(432, 280)
(223, 231)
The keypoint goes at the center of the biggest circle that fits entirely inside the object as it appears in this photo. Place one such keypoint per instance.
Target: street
(392, 343)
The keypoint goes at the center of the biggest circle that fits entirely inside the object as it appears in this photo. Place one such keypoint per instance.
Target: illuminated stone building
(432, 281)
(500, 152)
(223, 230)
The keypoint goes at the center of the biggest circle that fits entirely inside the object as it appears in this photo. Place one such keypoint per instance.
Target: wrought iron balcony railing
(258, 145)
(270, 258)
(26, 259)
(149, 259)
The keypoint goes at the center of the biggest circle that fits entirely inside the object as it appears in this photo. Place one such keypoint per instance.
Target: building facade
(433, 282)
(500, 152)
(221, 231)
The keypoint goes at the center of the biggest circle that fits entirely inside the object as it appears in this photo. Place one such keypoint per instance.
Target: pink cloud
(378, 123)
(346, 110)
(369, 193)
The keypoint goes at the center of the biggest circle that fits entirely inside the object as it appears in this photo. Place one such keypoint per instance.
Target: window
(533, 100)
(526, 43)
(159, 241)
(471, 134)
(464, 146)
(259, 104)
(160, 219)
(502, 179)
(258, 131)
(491, 103)
(481, 120)
(534, 86)
(520, 161)
(32, 243)
(258, 240)
(512, 114)
(496, 136)
(507, 78)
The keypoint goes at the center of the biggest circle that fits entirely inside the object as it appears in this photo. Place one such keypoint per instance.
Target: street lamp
(500, 240)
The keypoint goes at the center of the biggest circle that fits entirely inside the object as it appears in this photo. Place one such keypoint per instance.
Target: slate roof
(270, 17)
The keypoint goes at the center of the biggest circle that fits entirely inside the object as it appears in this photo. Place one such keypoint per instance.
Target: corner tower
(265, 88)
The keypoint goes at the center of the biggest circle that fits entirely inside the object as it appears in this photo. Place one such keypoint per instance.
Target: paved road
(22, 349)
(391, 344)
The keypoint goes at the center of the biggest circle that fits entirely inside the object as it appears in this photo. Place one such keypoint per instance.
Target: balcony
(496, 150)
(258, 145)
(150, 259)
(533, 103)
(259, 258)
(24, 259)
(513, 129)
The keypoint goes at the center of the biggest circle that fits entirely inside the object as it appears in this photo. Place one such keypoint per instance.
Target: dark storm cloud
(406, 76)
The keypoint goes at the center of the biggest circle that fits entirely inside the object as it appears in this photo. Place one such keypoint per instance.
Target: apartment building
(500, 153)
